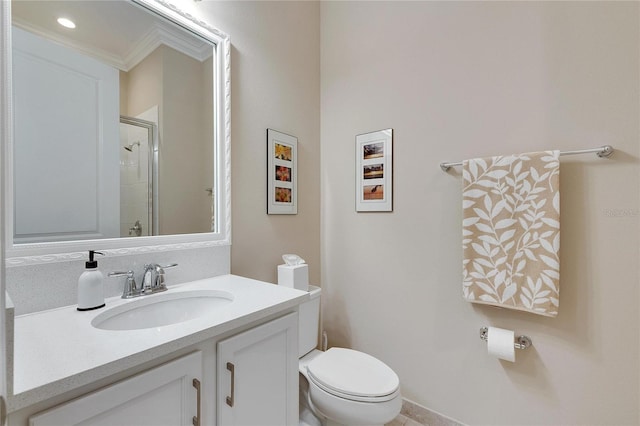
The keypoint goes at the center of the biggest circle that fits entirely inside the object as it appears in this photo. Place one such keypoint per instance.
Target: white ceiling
(117, 32)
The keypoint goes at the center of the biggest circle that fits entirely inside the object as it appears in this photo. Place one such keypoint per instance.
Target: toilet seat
(353, 375)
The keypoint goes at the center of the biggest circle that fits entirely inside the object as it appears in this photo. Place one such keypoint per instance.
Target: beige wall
(460, 80)
(183, 200)
(275, 83)
(143, 84)
(185, 129)
(124, 93)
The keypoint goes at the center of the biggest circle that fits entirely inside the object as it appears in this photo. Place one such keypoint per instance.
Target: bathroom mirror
(120, 134)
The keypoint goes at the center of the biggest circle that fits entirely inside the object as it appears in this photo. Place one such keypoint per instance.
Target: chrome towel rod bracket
(602, 152)
(522, 342)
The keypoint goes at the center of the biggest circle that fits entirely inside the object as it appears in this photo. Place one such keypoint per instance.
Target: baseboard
(425, 416)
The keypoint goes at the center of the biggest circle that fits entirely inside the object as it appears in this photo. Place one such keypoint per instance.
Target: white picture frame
(282, 173)
(374, 171)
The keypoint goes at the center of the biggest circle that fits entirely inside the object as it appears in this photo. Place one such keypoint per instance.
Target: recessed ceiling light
(67, 23)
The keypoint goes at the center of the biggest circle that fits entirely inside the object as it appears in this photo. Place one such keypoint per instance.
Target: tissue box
(296, 276)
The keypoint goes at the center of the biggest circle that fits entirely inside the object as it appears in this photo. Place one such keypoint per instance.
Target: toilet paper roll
(500, 343)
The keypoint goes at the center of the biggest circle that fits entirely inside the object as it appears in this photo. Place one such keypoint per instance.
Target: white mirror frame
(5, 67)
(36, 253)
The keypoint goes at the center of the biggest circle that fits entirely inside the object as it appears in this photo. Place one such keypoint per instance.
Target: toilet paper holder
(522, 342)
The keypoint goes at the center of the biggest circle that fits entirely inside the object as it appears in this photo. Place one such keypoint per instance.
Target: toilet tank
(308, 322)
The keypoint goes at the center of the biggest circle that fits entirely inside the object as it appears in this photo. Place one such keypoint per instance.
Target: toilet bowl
(342, 386)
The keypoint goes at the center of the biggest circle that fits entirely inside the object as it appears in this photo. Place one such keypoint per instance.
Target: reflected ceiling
(116, 32)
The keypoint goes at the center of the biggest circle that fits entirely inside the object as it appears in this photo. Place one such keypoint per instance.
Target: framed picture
(374, 171)
(282, 173)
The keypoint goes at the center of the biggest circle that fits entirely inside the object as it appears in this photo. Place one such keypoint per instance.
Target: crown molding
(173, 37)
(102, 55)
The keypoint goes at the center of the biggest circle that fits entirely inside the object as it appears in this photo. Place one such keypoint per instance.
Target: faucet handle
(171, 265)
(120, 274)
(159, 281)
(130, 288)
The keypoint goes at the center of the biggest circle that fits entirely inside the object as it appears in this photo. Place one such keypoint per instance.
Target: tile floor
(413, 414)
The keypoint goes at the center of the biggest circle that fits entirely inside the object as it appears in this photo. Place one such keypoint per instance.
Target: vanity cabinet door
(258, 375)
(161, 396)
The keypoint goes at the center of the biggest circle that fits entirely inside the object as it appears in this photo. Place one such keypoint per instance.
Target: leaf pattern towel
(511, 231)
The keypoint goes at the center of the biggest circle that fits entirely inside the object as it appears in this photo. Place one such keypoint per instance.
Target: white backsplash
(51, 285)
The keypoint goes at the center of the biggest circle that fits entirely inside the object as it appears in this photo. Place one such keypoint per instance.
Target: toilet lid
(353, 373)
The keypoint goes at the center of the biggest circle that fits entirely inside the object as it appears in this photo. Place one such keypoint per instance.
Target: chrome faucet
(153, 280)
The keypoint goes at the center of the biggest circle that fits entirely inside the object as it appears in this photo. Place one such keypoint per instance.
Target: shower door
(138, 177)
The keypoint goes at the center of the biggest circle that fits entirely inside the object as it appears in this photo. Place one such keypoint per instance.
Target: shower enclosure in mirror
(115, 122)
(139, 175)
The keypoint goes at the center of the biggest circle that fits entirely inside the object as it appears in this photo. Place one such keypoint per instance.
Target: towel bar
(522, 342)
(602, 152)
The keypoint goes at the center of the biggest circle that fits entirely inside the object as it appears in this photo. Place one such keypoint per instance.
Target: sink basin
(162, 309)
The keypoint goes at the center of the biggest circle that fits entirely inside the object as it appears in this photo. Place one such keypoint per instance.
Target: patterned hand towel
(511, 231)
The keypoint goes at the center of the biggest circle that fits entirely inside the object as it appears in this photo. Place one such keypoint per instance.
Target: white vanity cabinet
(145, 376)
(249, 379)
(165, 395)
(258, 375)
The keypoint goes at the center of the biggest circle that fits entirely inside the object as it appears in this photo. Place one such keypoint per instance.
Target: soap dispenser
(90, 286)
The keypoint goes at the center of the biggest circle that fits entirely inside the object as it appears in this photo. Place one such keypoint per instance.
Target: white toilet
(341, 386)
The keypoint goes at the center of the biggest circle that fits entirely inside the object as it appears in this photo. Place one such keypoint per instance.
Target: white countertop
(59, 350)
